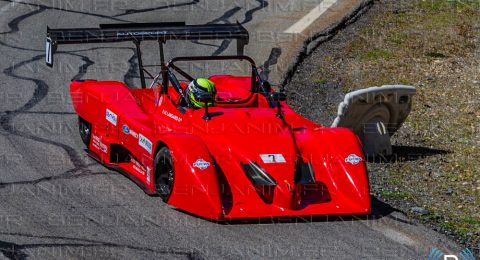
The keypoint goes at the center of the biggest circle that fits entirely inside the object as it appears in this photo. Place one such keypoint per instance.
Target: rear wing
(138, 32)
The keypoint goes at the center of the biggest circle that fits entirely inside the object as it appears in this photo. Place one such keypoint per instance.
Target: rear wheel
(164, 173)
(85, 129)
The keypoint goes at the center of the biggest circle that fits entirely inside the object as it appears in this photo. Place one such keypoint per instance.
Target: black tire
(164, 173)
(85, 129)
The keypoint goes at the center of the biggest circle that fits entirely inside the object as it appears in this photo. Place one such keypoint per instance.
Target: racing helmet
(199, 87)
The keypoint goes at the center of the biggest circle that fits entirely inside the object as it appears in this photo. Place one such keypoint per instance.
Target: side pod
(196, 187)
(339, 163)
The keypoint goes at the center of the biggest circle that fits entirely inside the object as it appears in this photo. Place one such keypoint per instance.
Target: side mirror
(278, 96)
(205, 98)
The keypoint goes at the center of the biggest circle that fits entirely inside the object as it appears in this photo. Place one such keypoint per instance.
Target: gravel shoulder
(433, 45)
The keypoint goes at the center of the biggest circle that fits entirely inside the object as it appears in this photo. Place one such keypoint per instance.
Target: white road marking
(313, 15)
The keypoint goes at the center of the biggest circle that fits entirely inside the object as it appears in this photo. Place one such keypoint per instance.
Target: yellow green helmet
(197, 87)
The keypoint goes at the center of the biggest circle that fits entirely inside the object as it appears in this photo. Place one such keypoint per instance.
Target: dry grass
(433, 45)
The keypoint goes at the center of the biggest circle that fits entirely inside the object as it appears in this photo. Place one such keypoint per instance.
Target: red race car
(244, 154)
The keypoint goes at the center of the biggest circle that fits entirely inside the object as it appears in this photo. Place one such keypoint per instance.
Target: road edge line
(323, 36)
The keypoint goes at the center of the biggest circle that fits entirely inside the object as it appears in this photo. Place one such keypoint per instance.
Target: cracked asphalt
(57, 203)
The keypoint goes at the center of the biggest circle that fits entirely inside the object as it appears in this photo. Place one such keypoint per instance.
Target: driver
(199, 87)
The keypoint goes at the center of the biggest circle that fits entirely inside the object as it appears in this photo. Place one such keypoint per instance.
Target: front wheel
(164, 173)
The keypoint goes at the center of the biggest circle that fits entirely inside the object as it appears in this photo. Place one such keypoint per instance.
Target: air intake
(264, 183)
(307, 190)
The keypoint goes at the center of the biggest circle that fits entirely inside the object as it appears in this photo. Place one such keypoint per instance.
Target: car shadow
(406, 153)
(379, 211)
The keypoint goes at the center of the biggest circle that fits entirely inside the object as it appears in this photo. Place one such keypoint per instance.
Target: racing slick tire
(164, 173)
(85, 129)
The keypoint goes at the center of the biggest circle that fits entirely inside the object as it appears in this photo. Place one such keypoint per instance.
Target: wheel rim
(84, 130)
(165, 177)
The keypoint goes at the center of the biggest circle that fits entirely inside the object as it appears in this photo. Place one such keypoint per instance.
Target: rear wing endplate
(137, 32)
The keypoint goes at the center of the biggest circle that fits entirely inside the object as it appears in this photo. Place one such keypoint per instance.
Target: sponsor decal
(138, 167)
(148, 175)
(125, 129)
(111, 117)
(129, 131)
(145, 143)
(201, 164)
(142, 33)
(98, 144)
(353, 159)
(133, 133)
(273, 158)
(172, 116)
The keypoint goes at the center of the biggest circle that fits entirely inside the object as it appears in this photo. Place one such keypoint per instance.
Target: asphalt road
(58, 203)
